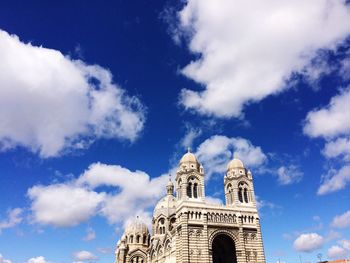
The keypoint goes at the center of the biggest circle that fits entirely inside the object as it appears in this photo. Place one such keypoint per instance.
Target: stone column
(204, 246)
(261, 252)
(184, 238)
(241, 257)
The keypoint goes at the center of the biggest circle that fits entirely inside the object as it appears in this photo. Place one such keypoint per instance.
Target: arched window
(246, 195)
(144, 239)
(137, 239)
(161, 226)
(240, 196)
(189, 190)
(243, 192)
(195, 190)
(137, 259)
(131, 239)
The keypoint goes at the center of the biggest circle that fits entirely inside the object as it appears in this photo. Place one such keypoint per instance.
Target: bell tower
(238, 183)
(190, 179)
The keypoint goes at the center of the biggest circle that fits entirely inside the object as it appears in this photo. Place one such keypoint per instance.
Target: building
(186, 228)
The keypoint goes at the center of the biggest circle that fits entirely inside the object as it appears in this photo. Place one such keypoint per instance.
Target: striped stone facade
(187, 228)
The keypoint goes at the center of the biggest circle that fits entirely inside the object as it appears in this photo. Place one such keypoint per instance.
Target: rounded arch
(243, 193)
(222, 232)
(138, 257)
(223, 249)
(193, 186)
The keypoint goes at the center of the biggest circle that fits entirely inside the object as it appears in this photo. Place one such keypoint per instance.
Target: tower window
(189, 190)
(240, 196)
(245, 195)
(195, 190)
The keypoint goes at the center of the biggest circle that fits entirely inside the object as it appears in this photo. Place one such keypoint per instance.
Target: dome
(136, 226)
(235, 164)
(189, 157)
(166, 206)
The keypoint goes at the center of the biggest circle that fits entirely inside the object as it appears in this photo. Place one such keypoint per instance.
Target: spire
(170, 187)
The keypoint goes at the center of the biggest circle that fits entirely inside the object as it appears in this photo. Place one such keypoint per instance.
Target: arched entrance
(223, 249)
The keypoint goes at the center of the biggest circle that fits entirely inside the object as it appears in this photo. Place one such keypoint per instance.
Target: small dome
(136, 226)
(234, 164)
(189, 157)
(166, 206)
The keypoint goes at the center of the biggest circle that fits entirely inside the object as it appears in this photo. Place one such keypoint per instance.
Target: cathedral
(186, 228)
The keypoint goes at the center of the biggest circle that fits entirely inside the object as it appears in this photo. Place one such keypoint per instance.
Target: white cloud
(213, 200)
(345, 244)
(260, 204)
(90, 234)
(63, 205)
(308, 242)
(248, 50)
(190, 136)
(289, 174)
(336, 252)
(105, 250)
(337, 180)
(4, 260)
(40, 259)
(218, 150)
(50, 103)
(338, 147)
(14, 218)
(332, 120)
(341, 221)
(331, 123)
(83, 255)
(133, 193)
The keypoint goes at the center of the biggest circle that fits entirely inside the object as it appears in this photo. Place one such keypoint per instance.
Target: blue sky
(100, 99)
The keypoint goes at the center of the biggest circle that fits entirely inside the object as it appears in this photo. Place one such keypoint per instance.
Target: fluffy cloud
(331, 120)
(289, 174)
(50, 103)
(331, 123)
(339, 147)
(341, 221)
(248, 50)
(83, 255)
(345, 244)
(63, 205)
(190, 136)
(14, 218)
(137, 191)
(337, 180)
(308, 242)
(218, 150)
(336, 252)
(40, 259)
(133, 192)
(3, 260)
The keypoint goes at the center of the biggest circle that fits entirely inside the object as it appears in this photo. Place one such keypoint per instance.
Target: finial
(234, 155)
(170, 186)
(188, 149)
